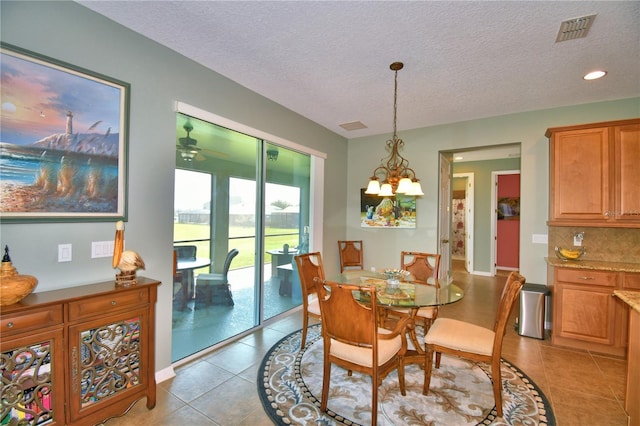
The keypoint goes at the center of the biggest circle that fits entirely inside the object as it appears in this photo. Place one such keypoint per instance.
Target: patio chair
(214, 287)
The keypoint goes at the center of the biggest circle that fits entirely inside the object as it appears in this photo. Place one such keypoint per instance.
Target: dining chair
(421, 265)
(215, 285)
(351, 255)
(309, 267)
(424, 267)
(470, 341)
(353, 340)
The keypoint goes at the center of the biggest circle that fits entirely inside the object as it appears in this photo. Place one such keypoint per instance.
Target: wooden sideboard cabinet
(585, 313)
(79, 355)
(594, 177)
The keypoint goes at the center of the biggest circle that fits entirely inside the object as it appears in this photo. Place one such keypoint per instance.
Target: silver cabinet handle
(586, 278)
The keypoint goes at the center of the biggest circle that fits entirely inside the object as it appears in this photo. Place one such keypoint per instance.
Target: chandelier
(397, 177)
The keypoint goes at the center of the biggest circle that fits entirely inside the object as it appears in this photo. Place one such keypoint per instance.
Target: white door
(444, 214)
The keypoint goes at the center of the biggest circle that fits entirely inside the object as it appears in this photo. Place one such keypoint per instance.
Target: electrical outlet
(539, 238)
(65, 252)
(577, 239)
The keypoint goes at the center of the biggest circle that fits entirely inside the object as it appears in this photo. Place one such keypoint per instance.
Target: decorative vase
(393, 279)
(13, 286)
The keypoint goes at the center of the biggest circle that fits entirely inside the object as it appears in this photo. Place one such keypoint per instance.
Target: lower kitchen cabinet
(78, 356)
(585, 313)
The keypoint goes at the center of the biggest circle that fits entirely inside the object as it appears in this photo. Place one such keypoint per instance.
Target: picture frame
(64, 134)
(397, 212)
(508, 208)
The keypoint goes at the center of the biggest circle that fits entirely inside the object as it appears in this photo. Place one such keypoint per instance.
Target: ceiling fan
(187, 146)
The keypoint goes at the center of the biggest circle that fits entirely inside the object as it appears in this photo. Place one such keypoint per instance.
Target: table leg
(415, 356)
(285, 283)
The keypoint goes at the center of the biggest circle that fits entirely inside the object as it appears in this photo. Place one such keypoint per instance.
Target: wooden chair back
(510, 293)
(421, 265)
(351, 254)
(309, 267)
(344, 318)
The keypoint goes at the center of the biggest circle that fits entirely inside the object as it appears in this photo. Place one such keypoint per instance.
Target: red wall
(508, 229)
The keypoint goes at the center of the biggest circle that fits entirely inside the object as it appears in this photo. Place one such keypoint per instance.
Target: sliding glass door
(234, 193)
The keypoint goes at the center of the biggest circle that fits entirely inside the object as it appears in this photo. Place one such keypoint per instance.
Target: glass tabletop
(407, 294)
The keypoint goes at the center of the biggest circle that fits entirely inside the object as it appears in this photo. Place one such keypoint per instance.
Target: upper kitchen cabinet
(595, 174)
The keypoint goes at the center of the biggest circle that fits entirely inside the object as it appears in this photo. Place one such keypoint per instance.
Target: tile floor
(220, 388)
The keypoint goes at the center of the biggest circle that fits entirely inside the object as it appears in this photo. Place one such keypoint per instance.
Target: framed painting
(508, 208)
(387, 212)
(63, 141)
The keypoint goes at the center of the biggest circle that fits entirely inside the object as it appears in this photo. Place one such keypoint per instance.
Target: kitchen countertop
(631, 298)
(594, 264)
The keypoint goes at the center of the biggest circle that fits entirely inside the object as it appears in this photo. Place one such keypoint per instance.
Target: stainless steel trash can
(531, 318)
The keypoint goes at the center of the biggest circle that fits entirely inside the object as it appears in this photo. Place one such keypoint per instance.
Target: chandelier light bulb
(385, 190)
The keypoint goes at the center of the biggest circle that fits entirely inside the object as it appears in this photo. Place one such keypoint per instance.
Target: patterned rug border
(280, 418)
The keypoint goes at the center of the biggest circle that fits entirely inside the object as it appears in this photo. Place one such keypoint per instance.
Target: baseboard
(482, 273)
(165, 374)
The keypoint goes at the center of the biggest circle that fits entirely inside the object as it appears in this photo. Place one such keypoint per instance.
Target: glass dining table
(408, 294)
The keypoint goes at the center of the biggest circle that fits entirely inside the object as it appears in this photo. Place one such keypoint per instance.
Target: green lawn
(245, 246)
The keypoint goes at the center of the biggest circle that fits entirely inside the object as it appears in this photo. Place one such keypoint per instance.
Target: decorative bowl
(570, 254)
(13, 286)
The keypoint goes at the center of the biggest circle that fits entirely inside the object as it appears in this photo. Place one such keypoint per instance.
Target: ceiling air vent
(355, 125)
(575, 28)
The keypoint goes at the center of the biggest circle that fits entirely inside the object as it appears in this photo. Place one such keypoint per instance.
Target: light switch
(64, 252)
(101, 249)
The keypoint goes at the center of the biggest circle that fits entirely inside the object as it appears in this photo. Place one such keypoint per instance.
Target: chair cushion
(461, 336)
(387, 349)
(211, 279)
(313, 306)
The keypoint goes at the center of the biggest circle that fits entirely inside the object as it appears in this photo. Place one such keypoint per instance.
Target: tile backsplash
(602, 244)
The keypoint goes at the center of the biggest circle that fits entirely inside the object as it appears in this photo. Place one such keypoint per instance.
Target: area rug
(290, 388)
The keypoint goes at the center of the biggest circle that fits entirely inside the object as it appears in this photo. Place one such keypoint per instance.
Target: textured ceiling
(329, 60)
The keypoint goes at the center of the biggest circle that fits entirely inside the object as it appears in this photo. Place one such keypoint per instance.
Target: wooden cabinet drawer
(34, 319)
(586, 276)
(103, 305)
(631, 281)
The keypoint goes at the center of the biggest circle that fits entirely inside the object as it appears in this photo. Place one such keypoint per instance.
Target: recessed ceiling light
(458, 157)
(594, 75)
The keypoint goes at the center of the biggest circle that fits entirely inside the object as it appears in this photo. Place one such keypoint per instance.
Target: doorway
(505, 226)
(462, 219)
(481, 162)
